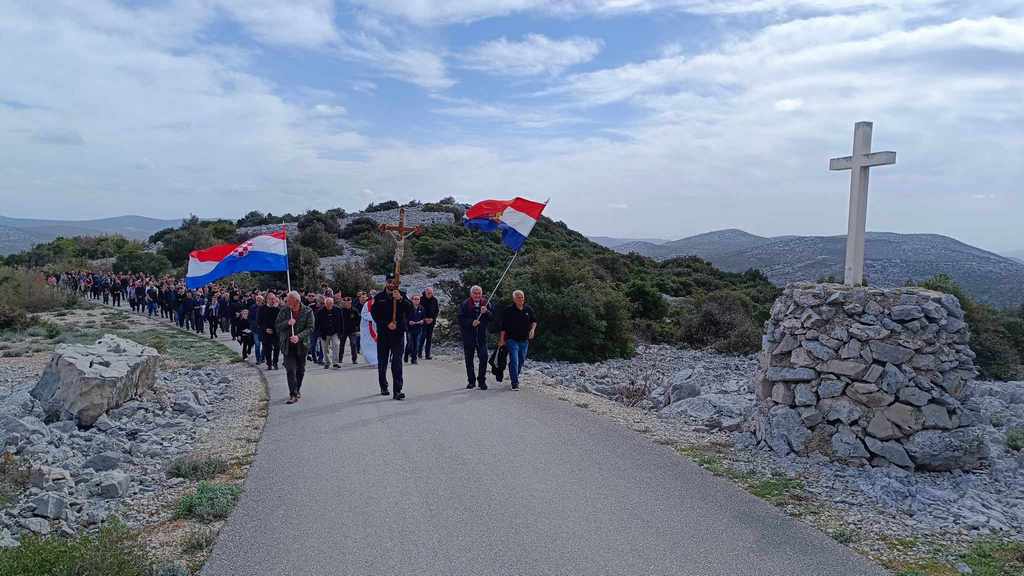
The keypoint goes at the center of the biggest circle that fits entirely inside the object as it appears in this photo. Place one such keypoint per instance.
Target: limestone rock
(842, 409)
(914, 396)
(831, 388)
(868, 395)
(782, 374)
(880, 427)
(883, 352)
(82, 382)
(104, 461)
(891, 451)
(717, 411)
(683, 386)
(849, 368)
(804, 395)
(783, 394)
(906, 418)
(49, 506)
(937, 450)
(936, 416)
(787, 432)
(114, 484)
(846, 445)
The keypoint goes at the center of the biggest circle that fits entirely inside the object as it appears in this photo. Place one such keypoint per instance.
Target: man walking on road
(518, 325)
(294, 324)
(350, 318)
(391, 313)
(328, 326)
(473, 320)
(431, 309)
(267, 326)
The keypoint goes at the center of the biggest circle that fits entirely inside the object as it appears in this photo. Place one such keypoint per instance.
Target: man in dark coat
(350, 319)
(473, 320)
(328, 328)
(391, 311)
(294, 326)
(431, 310)
(267, 325)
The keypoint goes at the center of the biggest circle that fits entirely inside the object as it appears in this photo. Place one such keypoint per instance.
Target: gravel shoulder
(144, 436)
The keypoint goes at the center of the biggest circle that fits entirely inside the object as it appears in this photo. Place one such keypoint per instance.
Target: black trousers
(295, 367)
(476, 345)
(428, 338)
(353, 340)
(271, 344)
(390, 346)
(247, 343)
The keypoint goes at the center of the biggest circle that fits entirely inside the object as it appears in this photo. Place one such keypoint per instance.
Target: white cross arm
(867, 160)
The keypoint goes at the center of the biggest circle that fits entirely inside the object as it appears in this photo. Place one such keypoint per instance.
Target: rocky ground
(700, 402)
(203, 404)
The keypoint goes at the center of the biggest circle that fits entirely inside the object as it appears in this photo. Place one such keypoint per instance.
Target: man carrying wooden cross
(391, 310)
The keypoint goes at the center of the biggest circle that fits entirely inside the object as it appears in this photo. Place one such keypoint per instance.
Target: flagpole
(288, 272)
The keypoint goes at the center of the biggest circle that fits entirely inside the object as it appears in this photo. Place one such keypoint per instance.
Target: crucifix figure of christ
(859, 164)
(400, 233)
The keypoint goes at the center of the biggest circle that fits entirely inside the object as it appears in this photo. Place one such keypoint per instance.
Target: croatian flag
(264, 253)
(515, 219)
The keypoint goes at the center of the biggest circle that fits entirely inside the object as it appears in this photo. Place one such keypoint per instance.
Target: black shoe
(414, 361)
(470, 386)
(428, 356)
(384, 392)
(483, 386)
(399, 396)
(515, 386)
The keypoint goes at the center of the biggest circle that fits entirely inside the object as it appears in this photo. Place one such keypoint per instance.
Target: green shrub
(380, 259)
(383, 206)
(316, 237)
(723, 320)
(197, 467)
(993, 557)
(647, 301)
(144, 262)
(198, 540)
(209, 502)
(114, 551)
(350, 278)
(997, 336)
(1015, 439)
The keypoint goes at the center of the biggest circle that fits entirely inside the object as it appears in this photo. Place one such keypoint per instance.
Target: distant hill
(891, 260)
(615, 243)
(18, 234)
(1017, 255)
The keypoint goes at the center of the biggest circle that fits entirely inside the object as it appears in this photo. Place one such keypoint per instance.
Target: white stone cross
(858, 164)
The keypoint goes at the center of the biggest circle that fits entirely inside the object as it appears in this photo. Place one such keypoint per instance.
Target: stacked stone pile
(414, 216)
(291, 228)
(868, 375)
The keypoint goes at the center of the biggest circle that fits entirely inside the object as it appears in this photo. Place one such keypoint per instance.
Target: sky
(637, 118)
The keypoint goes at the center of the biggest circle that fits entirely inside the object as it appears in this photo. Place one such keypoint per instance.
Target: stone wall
(867, 376)
(292, 228)
(414, 216)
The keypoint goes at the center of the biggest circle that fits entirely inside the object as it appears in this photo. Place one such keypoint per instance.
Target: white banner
(368, 335)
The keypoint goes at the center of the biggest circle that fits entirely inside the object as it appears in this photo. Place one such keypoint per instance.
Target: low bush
(114, 551)
(997, 336)
(1015, 439)
(209, 502)
(350, 278)
(14, 477)
(198, 540)
(725, 321)
(197, 467)
(995, 558)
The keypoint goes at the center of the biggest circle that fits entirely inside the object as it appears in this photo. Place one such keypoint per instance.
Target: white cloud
(303, 23)
(789, 104)
(534, 54)
(419, 66)
(329, 110)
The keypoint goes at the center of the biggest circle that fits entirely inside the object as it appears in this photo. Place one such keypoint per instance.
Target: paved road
(466, 482)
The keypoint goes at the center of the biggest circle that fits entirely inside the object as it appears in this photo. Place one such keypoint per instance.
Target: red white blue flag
(264, 253)
(514, 218)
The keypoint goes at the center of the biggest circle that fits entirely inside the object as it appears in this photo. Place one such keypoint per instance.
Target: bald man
(294, 325)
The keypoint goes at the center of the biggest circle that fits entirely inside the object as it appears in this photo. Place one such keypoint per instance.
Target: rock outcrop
(82, 382)
(868, 375)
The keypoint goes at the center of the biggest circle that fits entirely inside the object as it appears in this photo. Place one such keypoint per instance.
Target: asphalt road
(467, 482)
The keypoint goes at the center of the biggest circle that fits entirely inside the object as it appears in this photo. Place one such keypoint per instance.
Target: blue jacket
(417, 315)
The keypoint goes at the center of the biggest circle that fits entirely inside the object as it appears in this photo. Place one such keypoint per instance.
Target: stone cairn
(867, 376)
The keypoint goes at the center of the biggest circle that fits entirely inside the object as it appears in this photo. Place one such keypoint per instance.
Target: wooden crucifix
(400, 233)
(859, 164)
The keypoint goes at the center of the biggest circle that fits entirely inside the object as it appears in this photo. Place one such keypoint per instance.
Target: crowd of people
(277, 327)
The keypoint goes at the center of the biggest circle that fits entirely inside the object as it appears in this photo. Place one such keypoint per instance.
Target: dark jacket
(382, 310)
(498, 362)
(350, 318)
(267, 319)
(467, 314)
(416, 319)
(431, 308)
(328, 322)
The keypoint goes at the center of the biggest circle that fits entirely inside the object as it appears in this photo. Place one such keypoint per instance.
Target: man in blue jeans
(518, 325)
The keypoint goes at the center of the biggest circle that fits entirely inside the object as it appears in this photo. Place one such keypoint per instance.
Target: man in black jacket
(350, 322)
(473, 320)
(328, 327)
(390, 311)
(431, 309)
(268, 330)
